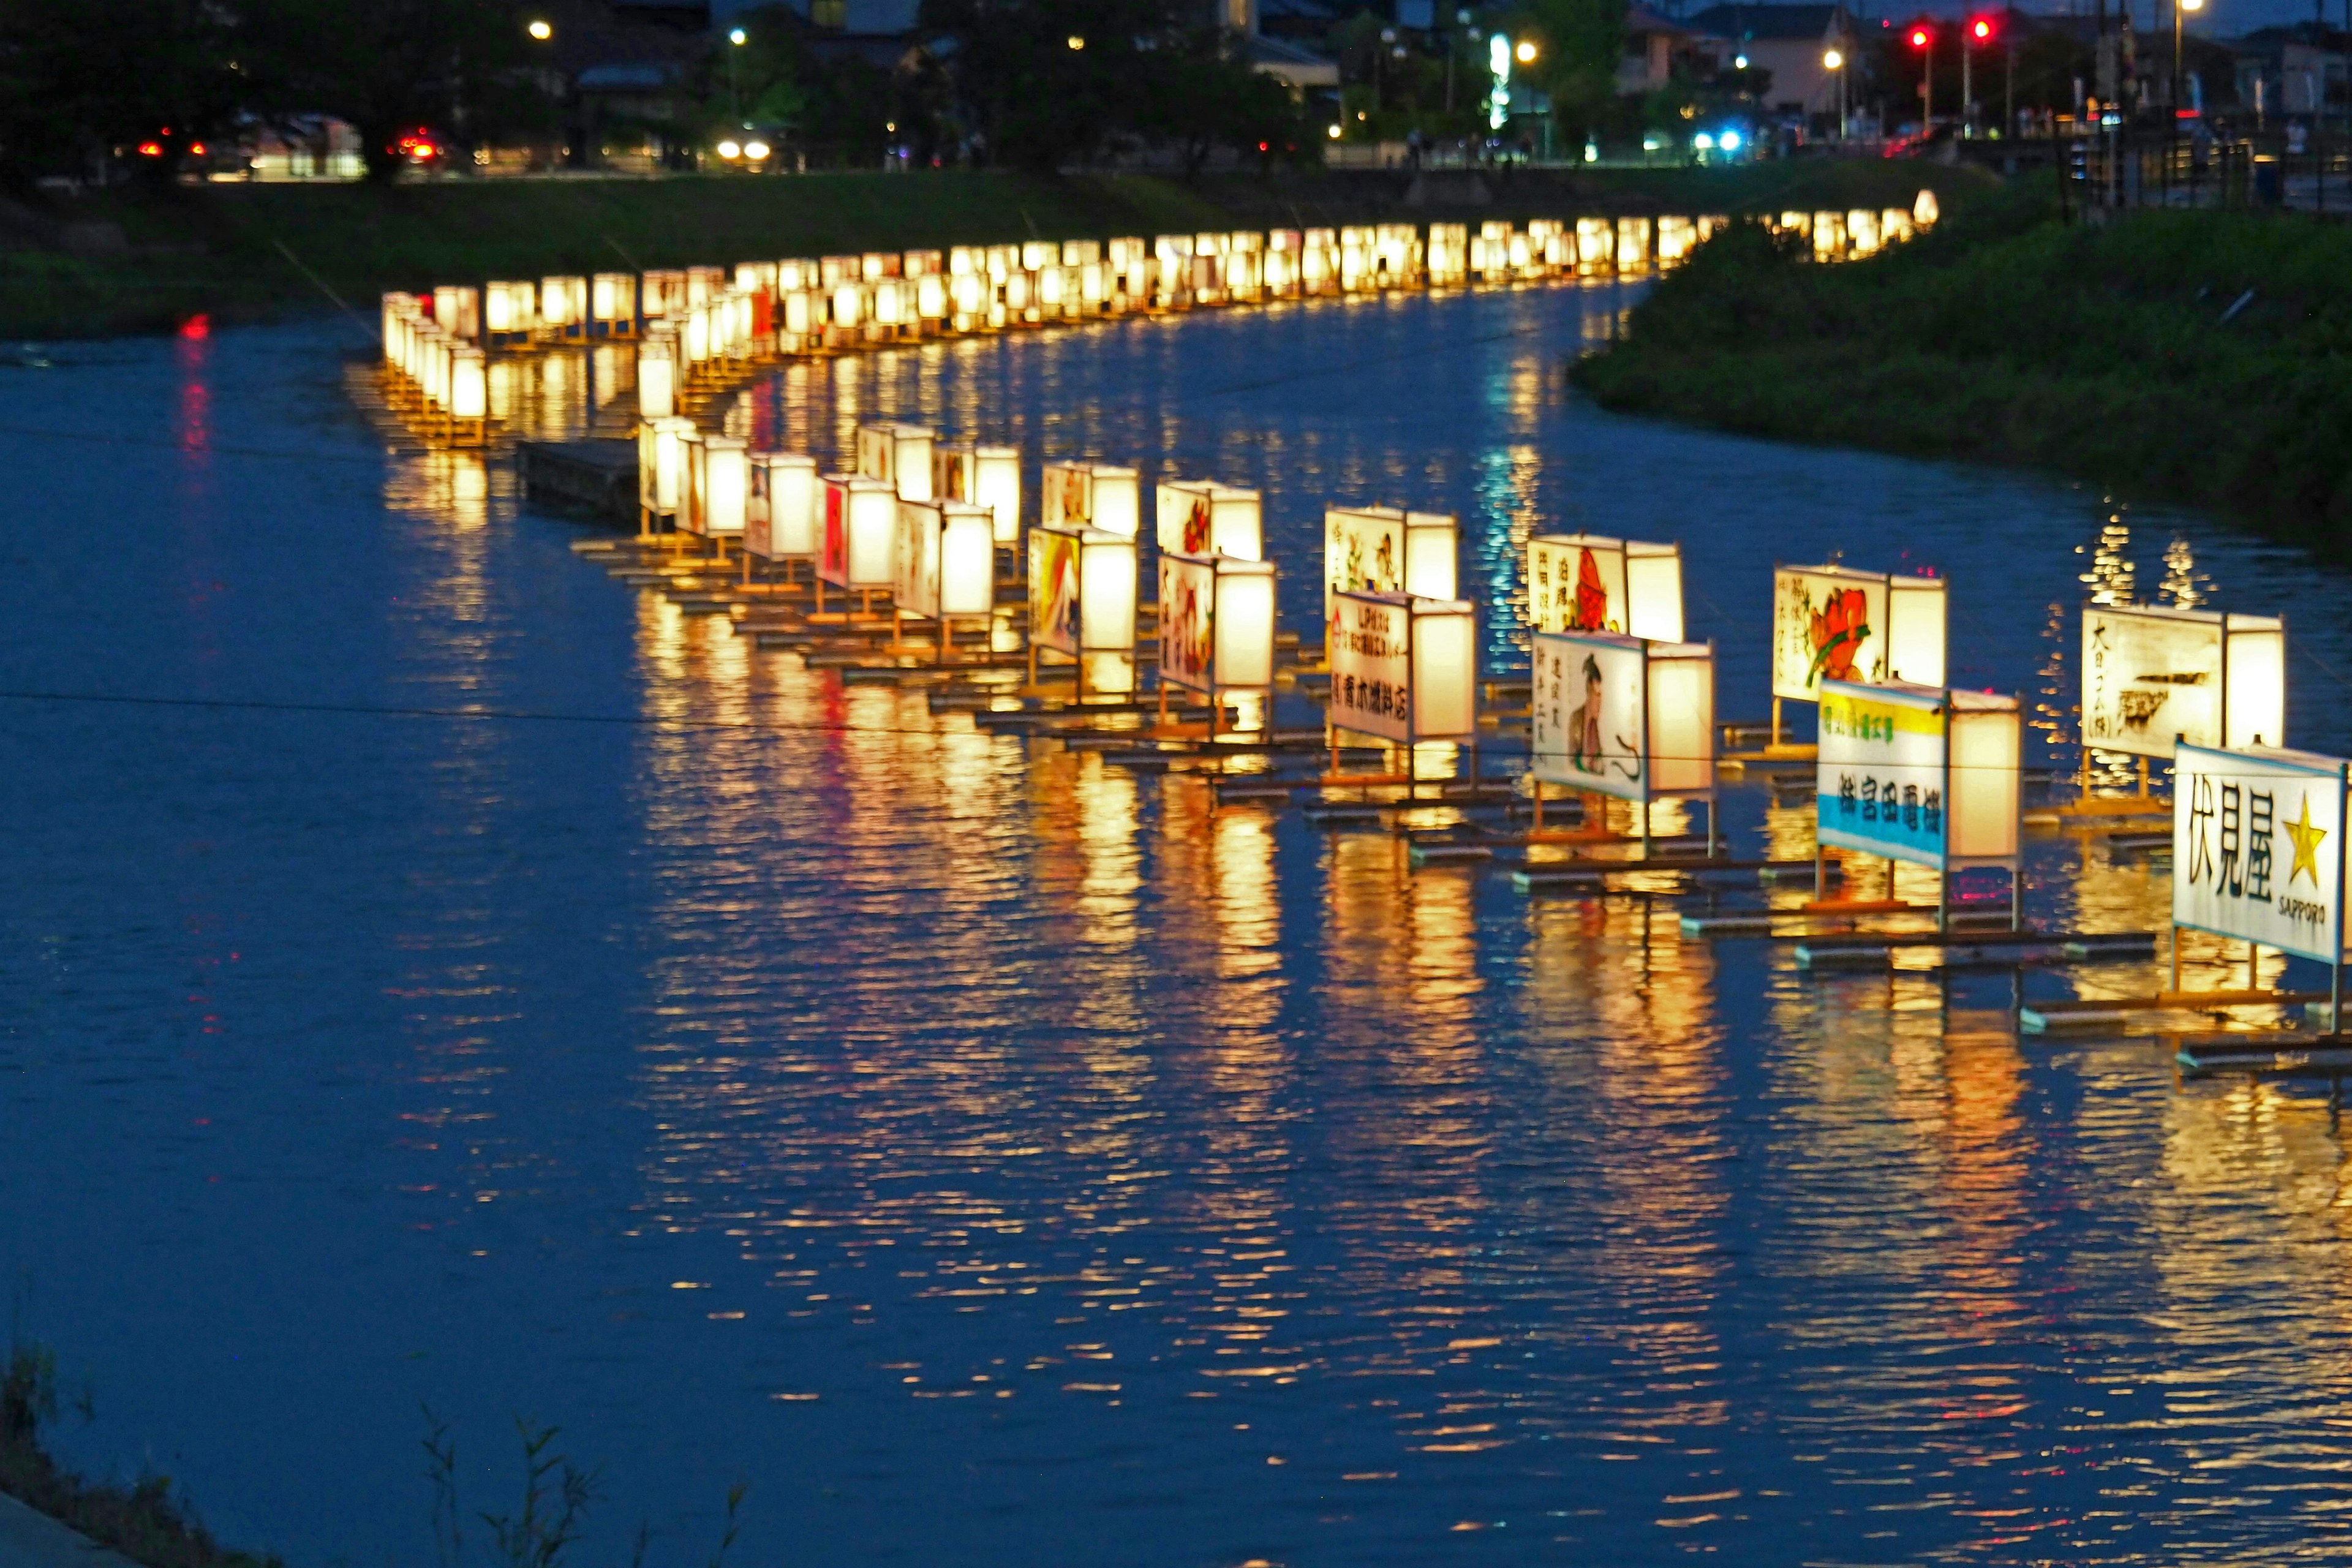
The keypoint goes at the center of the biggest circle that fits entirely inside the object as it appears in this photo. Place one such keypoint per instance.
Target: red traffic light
(1980, 29)
(1921, 37)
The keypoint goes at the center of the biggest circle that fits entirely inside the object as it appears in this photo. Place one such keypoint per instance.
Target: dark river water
(434, 974)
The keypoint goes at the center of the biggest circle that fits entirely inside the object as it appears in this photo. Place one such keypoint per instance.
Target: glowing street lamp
(2179, 7)
(1525, 53)
(1833, 61)
(541, 29)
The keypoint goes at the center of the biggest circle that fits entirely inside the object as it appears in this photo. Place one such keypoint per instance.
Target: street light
(734, 95)
(1835, 60)
(2178, 76)
(1526, 52)
(1077, 42)
(541, 30)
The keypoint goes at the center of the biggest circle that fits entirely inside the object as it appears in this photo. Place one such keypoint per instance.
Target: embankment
(2199, 357)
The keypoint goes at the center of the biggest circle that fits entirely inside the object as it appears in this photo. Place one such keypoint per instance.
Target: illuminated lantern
(694, 496)
(803, 325)
(742, 323)
(694, 339)
(1835, 623)
(857, 547)
(1200, 517)
(1796, 223)
(1921, 775)
(780, 524)
(1383, 550)
(612, 304)
(1623, 717)
(1082, 587)
(1925, 210)
(469, 392)
(1404, 669)
(1099, 494)
(2154, 677)
(564, 306)
(944, 564)
(510, 312)
(1633, 244)
(459, 311)
(727, 487)
(1862, 232)
(1677, 236)
(661, 468)
(1317, 261)
(1216, 626)
(1586, 583)
(1829, 236)
(657, 375)
(1893, 226)
(900, 455)
(1596, 246)
(2293, 898)
(663, 295)
(988, 477)
(932, 301)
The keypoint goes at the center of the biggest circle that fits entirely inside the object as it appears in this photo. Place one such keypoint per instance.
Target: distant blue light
(1729, 140)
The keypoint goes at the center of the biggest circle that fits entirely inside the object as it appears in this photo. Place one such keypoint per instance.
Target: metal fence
(2262, 171)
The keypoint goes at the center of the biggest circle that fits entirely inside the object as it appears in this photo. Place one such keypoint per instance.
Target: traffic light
(1921, 37)
(1980, 29)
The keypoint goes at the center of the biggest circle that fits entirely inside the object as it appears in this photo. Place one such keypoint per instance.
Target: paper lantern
(2258, 848)
(1589, 583)
(1924, 211)
(664, 294)
(1404, 669)
(1834, 623)
(1596, 245)
(1893, 226)
(1862, 232)
(658, 376)
(459, 311)
(785, 504)
(727, 485)
(1384, 550)
(612, 304)
(2153, 676)
(1829, 236)
(1216, 623)
(861, 532)
(509, 310)
(1200, 517)
(1082, 586)
(661, 466)
(1100, 495)
(931, 298)
(1677, 237)
(945, 560)
(694, 494)
(1920, 774)
(1622, 716)
(469, 392)
(563, 305)
(989, 477)
(694, 339)
(1633, 244)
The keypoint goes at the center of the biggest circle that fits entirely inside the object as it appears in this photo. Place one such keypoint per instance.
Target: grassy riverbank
(240, 252)
(2190, 356)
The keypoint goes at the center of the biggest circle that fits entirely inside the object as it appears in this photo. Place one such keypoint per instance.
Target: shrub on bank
(2197, 356)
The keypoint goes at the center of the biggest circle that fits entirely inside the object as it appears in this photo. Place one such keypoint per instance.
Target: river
(438, 975)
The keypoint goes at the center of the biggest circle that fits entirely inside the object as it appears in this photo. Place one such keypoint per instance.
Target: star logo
(2306, 844)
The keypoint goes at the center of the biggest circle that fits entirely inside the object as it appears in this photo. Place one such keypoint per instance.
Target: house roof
(1744, 23)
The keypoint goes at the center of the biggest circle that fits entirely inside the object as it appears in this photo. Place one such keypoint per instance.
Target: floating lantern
(2153, 677)
(459, 311)
(1383, 550)
(985, 476)
(694, 490)
(1404, 669)
(1097, 494)
(944, 564)
(657, 375)
(564, 306)
(1834, 623)
(1216, 627)
(861, 532)
(1925, 210)
(1861, 237)
(1633, 244)
(1677, 237)
(661, 468)
(612, 304)
(662, 295)
(1082, 587)
(469, 393)
(1893, 226)
(900, 455)
(727, 485)
(1624, 717)
(1921, 775)
(2258, 854)
(1829, 236)
(1596, 246)
(1586, 583)
(781, 520)
(1200, 517)
(510, 311)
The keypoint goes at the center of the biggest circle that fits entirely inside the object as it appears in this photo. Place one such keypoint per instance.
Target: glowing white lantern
(694, 498)
(469, 392)
(1829, 236)
(507, 310)
(1082, 586)
(1449, 254)
(2153, 677)
(742, 326)
(786, 506)
(664, 294)
(612, 304)
(1622, 716)
(1404, 669)
(1383, 550)
(563, 305)
(1925, 210)
(861, 532)
(988, 477)
(1200, 517)
(661, 466)
(727, 487)
(1893, 226)
(1216, 623)
(1677, 238)
(1862, 232)
(1633, 244)
(1834, 623)
(931, 300)
(1586, 583)
(1920, 774)
(694, 339)
(2257, 851)
(1596, 245)
(945, 562)
(1100, 495)
(658, 376)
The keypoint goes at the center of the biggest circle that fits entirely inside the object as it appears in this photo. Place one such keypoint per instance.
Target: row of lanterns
(699, 323)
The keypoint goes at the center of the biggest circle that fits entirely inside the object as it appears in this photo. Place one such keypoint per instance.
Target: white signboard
(2258, 848)
(1827, 625)
(1586, 583)
(1590, 728)
(1187, 622)
(915, 586)
(1382, 550)
(1371, 665)
(1883, 779)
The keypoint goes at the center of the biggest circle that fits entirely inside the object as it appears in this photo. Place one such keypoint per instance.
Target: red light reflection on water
(194, 352)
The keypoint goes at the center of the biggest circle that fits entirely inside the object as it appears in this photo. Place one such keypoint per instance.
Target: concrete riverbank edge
(2190, 356)
(31, 1539)
(126, 262)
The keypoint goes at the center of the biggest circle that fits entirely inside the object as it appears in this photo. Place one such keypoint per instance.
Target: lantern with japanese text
(2154, 678)
(1921, 775)
(1624, 717)
(1201, 517)
(1588, 582)
(1403, 669)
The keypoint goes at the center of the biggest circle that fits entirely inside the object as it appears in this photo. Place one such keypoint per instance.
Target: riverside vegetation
(2194, 356)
